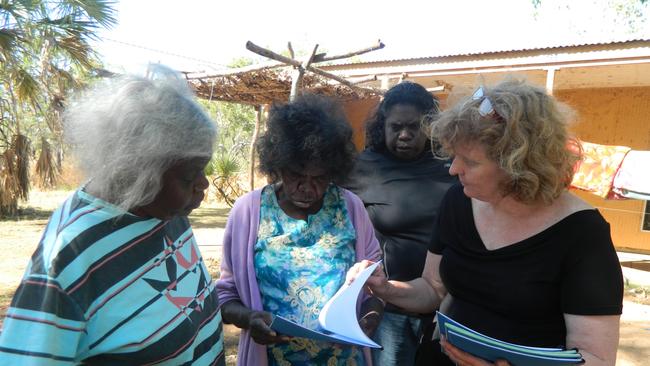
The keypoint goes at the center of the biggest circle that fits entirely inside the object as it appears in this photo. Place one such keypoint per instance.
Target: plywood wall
(357, 113)
(617, 116)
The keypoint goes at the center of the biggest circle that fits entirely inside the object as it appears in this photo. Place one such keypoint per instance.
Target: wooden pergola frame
(280, 80)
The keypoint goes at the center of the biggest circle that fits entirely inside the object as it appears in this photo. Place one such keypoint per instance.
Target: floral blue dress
(299, 266)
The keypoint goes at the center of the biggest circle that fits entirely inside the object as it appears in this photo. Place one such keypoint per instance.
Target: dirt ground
(19, 237)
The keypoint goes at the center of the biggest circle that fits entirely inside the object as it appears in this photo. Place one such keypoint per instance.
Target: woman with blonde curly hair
(518, 256)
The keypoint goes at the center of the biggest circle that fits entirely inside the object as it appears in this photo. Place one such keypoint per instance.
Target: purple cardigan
(238, 280)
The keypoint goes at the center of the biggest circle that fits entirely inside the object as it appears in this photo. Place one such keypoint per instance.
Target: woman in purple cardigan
(288, 246)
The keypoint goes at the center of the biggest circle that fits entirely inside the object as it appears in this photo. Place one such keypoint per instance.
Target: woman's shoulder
(354, 203)
(578, 219)
(246, 203)
(573, 208)
(456, 194)
(249, 197)
(349, 196)
(573, 203)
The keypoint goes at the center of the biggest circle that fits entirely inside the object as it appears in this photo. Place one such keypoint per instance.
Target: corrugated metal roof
(472, 50)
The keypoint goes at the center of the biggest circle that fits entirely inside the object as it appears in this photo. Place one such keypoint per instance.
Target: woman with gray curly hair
(117, 277)
(518, 256)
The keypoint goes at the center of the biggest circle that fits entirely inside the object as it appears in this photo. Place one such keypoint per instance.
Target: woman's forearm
(593, 360)
(416, 296)
(234, 312)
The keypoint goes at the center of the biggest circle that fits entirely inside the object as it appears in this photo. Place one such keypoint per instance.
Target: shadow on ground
(209, 217)
(28, 213)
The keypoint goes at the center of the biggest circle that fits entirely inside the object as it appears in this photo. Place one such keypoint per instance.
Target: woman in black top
(401, 185)
(523, 259)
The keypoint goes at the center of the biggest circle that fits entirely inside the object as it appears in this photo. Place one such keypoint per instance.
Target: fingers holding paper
(462, 358)
(377, 284)
(260, 328)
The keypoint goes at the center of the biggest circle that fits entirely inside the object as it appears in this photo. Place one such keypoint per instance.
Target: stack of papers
(337, 320)
(491, 349)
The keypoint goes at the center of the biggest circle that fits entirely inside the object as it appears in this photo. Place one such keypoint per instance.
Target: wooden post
(550, 80)
(385, 82)
(251, 157)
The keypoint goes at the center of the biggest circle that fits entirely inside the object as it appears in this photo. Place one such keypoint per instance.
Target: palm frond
(225, 165)
(8, 42)
(64, 80)
(46, 167)
(101, 11)
(77, 50)
(226, 168)
(26, 87)
(18, 9)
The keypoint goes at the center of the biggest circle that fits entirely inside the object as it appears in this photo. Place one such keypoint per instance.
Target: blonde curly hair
(526, 135)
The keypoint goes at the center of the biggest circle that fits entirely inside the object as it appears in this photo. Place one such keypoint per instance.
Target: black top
(519, 293)
(402, 200)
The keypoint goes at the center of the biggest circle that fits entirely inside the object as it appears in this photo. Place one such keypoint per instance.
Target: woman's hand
(462, 358)
(259, 324)
(372, 310)
(370, 322)
(377, 283)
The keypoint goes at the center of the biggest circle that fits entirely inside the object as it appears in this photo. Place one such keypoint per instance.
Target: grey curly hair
(128, 131)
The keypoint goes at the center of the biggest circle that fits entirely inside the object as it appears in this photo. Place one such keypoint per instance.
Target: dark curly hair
(405, 92)
(310, 131)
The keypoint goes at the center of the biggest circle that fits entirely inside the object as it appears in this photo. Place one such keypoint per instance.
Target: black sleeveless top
(519, 293)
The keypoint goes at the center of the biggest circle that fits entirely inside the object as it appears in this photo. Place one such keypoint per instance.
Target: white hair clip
(485, 108)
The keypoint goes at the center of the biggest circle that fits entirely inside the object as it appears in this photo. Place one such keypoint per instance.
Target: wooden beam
(377, 46)
(363, 80)
(436, 89)
(308, 61)
(272, 55)
(298, 72)
(239, 70)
